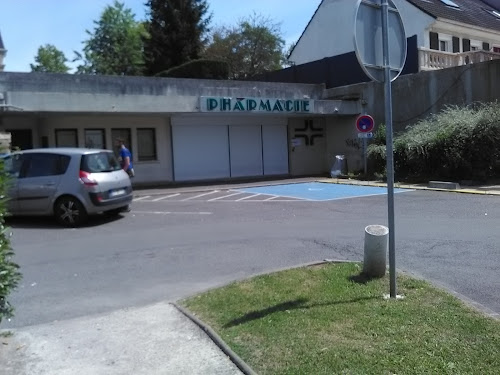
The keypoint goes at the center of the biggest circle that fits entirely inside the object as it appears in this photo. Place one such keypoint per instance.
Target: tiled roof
(471, 12)
(1, 42)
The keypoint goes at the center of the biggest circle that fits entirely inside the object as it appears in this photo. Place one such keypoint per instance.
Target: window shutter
(466, 45)
(456, 44)
(434, 39)
(486, 46)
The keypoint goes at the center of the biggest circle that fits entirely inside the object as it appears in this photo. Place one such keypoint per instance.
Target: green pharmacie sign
(261, 105)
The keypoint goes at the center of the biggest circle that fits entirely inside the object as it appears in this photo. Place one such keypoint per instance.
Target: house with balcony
(440, 34)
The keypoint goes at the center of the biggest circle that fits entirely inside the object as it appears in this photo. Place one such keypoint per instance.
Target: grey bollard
(376, 245)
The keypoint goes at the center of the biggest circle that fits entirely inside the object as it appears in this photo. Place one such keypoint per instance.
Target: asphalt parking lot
(169, 248)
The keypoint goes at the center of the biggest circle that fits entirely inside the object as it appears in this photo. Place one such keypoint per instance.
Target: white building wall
(331, 31)
(415, 22)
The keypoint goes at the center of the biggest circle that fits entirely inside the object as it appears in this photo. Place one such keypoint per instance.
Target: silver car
(69, 183)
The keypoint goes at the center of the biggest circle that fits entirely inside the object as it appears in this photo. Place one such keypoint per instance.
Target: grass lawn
(317, 320)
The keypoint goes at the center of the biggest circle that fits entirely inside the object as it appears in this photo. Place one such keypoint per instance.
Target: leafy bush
(200, 69)
(458, 143)
(9, 271)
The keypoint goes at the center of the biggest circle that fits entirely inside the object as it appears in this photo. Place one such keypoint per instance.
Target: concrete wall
(307, 159)
(110, 94)
(417, 96)
(159, 170)
(342, 139)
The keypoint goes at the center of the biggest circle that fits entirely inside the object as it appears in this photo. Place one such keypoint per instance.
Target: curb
(217, 340)
(406, 186)
(476, 306)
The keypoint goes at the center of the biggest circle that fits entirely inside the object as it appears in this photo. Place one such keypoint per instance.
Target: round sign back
(368, 39)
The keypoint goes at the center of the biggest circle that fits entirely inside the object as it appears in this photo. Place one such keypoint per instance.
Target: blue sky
(25, 25)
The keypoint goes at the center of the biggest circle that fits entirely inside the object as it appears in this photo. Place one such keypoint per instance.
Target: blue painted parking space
(317, 191)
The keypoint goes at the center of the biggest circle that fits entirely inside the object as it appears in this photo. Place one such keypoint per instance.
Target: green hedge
(459, 143)
(200, 69)
(9, 271)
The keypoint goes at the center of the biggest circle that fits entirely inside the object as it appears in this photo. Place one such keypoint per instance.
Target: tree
(50, 60)
(252, 47)
(115, 46)
(177, 33)
(9, 271)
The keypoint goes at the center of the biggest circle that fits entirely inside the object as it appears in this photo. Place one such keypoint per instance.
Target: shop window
(146, 144)
(95, 138)
(124, 134)
(66, 138)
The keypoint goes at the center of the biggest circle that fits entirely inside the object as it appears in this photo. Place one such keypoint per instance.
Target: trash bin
(376, 245)
(339, 166)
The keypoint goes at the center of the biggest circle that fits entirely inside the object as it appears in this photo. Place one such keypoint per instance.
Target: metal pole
(389, 148)
(364, 155)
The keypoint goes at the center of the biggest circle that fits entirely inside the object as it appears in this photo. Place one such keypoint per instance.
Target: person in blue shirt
(125, 158)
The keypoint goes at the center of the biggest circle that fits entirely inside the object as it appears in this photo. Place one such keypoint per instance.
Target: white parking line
(270, 199)
(200, 195)
(165, 197)
(141, 198)
(224, 196)
(170, 213)
(250, 196)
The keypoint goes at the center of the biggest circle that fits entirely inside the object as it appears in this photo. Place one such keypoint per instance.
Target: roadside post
(365, 125)
(380, 45)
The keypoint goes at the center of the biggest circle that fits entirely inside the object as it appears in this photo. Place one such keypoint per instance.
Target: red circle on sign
(365, 123)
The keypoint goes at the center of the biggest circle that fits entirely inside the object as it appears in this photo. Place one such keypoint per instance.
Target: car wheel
(70, 212)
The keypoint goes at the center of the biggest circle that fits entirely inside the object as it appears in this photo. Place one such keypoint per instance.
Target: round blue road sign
(365, 123)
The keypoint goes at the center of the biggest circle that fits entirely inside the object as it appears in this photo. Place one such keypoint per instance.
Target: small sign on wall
(296, 142)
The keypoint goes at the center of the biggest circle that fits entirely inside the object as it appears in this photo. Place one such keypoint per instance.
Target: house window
(95, 138)
(445, 42)
(496, 49)
(476, 45)
(146, 144)
(66, 138)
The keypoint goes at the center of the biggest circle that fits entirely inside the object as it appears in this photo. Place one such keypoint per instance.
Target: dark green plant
(9, 271)
(176, 33)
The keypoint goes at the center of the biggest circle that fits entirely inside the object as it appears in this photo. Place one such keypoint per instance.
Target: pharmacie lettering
(257, 105)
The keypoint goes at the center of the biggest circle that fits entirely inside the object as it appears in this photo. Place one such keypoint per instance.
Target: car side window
(12, 164)
(44, 164)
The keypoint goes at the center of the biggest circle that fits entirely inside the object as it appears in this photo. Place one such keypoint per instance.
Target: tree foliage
(50, 60)
(115, 46)
(177, 33)
(9, 271)
(254, 46)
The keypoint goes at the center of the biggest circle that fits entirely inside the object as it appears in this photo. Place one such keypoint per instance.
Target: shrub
(9, 271)
(200, 69)
(458, 143)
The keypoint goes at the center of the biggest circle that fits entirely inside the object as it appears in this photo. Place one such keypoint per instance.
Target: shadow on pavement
(44, 222)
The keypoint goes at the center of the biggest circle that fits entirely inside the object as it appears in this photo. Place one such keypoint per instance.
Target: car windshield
(100, 162)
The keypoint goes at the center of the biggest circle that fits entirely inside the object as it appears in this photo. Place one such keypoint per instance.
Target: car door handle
(50, 184)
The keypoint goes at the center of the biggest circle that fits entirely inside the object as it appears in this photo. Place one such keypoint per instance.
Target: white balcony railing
(430, 59)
